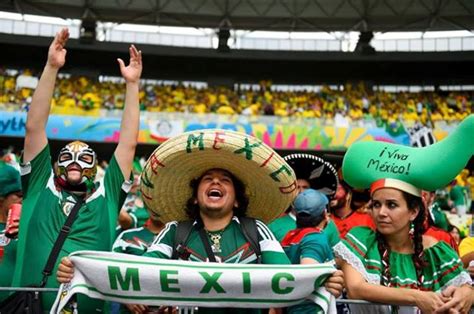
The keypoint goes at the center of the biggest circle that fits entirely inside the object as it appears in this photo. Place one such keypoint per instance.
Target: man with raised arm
(51, 194)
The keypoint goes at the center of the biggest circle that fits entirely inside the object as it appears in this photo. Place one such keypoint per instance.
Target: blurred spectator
(84, 95)
(455, 233)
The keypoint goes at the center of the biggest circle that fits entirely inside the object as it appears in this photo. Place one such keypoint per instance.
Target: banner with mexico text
(133, 279)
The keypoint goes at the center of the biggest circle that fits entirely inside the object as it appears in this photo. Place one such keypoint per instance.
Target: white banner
(142, 280)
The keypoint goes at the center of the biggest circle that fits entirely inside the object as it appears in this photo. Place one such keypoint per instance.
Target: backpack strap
(183, 229)
(58, 244)
(250, 232)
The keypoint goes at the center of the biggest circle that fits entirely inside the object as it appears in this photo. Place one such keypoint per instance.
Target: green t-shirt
(7, 261)
(136, 209)
(282, 225)
(313, 245)
(133, 241)
(45, 209)
(459, 195)
(439, 217)
(139, 214)
(234, 249)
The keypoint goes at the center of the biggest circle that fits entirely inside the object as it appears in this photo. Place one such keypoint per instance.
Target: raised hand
(56, 52)
(133, 71)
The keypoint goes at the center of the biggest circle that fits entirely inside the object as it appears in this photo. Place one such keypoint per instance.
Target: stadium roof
(274, 15)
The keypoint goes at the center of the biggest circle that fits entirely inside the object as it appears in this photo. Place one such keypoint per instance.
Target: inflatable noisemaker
(380, 164)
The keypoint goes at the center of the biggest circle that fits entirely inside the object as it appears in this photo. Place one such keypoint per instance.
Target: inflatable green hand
(427, 168)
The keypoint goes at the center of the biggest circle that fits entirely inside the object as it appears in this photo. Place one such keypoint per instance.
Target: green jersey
(439, 217)
(135, 208)
(7, 261)
(307, 243)
(133, 241)
(459, 195)
(45, 209)
(282, 225)
(232, 248)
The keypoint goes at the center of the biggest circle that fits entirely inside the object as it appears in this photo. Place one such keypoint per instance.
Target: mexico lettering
(128, 279)
(396, 163)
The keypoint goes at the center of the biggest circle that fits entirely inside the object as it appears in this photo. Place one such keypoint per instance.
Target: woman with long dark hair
(397, 264)
(397, 255)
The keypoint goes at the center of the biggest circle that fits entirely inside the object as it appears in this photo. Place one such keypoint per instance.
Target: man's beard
(340, 203)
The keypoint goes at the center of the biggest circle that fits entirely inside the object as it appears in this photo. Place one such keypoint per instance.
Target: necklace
(216, 240)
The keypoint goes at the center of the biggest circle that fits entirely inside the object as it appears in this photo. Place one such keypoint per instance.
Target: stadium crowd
(236, 200)
(355, 101)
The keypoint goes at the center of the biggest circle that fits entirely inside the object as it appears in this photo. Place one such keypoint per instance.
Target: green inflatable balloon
(427, 168)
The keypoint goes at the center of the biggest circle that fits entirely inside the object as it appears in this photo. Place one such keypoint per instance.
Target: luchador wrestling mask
(81, 154)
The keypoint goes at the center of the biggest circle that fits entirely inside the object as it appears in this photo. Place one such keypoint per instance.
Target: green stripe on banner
(322, 297)
(220, 266)
(200, 299)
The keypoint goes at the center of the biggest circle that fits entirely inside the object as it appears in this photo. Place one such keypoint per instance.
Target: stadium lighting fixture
(88, 31)
(223, 35)
(363, 45)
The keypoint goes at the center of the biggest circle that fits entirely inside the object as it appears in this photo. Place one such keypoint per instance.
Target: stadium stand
(295, 93)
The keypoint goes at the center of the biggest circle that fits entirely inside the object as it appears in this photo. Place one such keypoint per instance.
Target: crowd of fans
(355, 101)
(375, 232)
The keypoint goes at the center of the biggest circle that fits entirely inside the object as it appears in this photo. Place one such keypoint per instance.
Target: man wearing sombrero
(214, 178)
(311, 172)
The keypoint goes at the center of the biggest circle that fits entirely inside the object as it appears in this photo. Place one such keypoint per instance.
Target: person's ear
(414, 214)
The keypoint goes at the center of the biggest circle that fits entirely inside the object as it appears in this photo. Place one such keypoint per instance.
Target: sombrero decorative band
(321, 175)
(269, 181)
(427, 168)
(397, 184)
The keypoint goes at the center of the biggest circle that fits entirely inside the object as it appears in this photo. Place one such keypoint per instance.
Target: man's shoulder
(130, 233)
(283, 220)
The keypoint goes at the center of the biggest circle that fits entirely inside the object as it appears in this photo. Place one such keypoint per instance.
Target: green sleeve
(316, 246)
(113, 184)
(332, 233)
(139, 216)
(36, 173)
(162, 246)
(443, 268)
(457, 195)
(272, 252)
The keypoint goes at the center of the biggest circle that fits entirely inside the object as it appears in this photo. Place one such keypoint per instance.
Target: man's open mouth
(214, 194)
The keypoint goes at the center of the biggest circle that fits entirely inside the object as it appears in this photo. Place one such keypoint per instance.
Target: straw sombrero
(165, 182)
(321, 175)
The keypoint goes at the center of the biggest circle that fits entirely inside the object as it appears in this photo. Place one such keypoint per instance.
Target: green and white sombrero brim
(165, 182)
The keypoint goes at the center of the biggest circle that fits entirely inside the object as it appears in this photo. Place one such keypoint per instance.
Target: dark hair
(452, 227)
(192, 209)
(359, 198)
(304, 220)
(413, 202)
